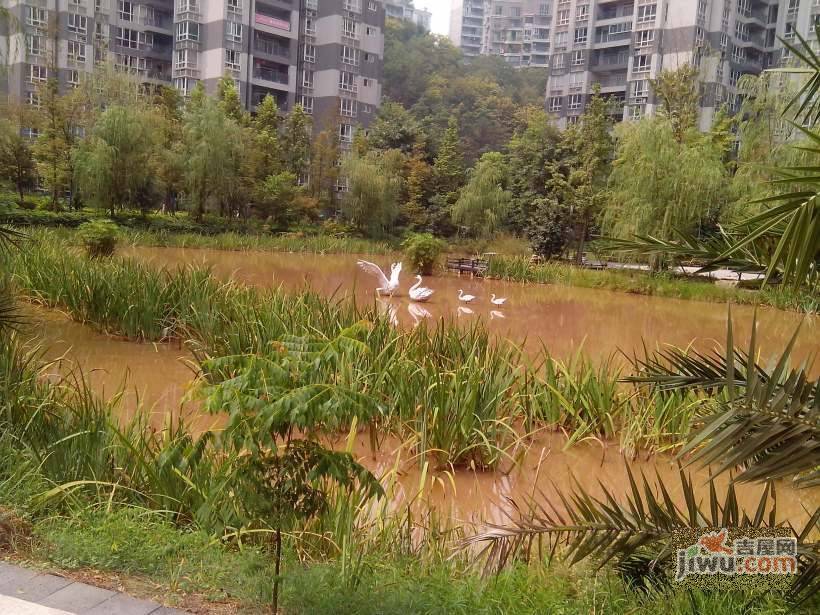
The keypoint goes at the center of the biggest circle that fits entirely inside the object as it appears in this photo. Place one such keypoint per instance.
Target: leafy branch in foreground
(767, 421)
(637, 535)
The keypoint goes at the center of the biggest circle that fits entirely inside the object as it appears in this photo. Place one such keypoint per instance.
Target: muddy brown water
(559, 318)
(156, 377)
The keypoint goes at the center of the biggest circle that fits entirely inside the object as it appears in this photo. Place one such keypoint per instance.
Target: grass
(520, 269)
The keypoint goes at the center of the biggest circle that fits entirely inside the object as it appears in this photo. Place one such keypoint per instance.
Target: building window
(185, 59)
(635, 112)
(234, 32)
(126, 10)
(558, 61)
(35, 45)
(37, 73)
(77, 24)
(582, 12)
(307, 78)
(36, 17)
(350, 55)
(235, 7)
(641, 63)
(33, 99)
(561, 40)
(580, 36)
(372, 6)
(347, 107)
(184, 85)
(310, 53)
(578, 58)
(187, 31)
(644, 38)
(353, 5)
(555, 104)
(647, 13)
(640, 89)
(127, 37)
(307, 103)
(346, 133)
(350, 28)
(563, 17)
(347, 82)
(575, 101)
(73, 78)
(76, 51)
(232, 59)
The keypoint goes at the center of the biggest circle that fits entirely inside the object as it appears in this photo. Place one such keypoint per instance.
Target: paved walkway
(26, 592)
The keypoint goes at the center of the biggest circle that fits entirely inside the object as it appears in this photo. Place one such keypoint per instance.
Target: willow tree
(372, 201)
(485, 200)
(659, 185)
(211, 145)
(114, 165)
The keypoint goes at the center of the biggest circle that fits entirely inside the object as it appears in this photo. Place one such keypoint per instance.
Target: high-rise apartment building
(622, 44)
(517, 30)
(63, 39)
(325, 54)
(467, 25)
(406, 11)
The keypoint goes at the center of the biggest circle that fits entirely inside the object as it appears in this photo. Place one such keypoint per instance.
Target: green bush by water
(100, 237)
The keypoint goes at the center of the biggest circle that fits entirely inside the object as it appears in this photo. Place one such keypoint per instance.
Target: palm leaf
(765, 421)
(635, 533)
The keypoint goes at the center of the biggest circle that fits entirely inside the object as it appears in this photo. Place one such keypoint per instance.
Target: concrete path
(26, 592)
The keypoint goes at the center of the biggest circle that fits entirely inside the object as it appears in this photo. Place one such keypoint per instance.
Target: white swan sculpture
(386, 287)
(465, 298)
(419, 293)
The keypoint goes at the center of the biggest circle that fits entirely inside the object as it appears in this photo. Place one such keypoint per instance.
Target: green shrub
(423, 250)
(99, 237)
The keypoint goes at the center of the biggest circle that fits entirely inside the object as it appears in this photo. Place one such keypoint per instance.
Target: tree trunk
(277, 567)
(20, 192)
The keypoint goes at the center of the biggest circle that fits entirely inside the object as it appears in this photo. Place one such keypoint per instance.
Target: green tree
(549, 227)
(374, 184)
(114, 165)
(296, 142)
(16, 161)
(324, 169)
(485, 200)
(281, 475)
(660, 185)
(590, 146)
(533, 146)
(417, 191)
(396, 128)
(211, 146)
(679, 94)
(57, 138)
(229, 102)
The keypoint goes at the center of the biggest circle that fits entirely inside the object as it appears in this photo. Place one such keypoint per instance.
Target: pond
(560, 319)
(156, 377)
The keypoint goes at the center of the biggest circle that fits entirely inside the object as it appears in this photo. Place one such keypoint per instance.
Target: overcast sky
(441, 14)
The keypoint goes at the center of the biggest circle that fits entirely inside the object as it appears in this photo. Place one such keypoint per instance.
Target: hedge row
(210, 225)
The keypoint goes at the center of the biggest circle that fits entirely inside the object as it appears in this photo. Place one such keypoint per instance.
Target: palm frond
(765, 421)
(636, 534)
(805, 106)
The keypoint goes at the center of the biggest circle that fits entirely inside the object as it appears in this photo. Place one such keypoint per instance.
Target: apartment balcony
(271, 76)
(158, 23)
(619, 39)
(273, 49)
(758, 42)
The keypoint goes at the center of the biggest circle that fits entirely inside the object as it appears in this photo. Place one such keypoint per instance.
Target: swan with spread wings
(386, 286)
